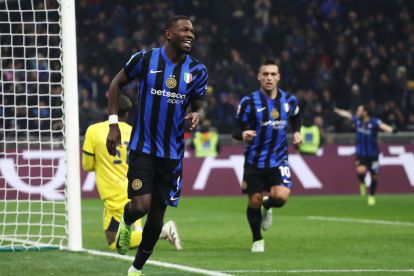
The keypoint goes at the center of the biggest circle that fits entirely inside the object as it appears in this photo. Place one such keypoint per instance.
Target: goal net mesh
(32, 154)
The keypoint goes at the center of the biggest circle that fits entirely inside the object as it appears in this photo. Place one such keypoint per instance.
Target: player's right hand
(113, 139)
(248, 135)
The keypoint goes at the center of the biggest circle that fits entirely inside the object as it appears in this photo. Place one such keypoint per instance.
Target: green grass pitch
(305, 237)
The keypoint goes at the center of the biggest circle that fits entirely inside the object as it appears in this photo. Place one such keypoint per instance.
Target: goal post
(39, 129)
(70, 91)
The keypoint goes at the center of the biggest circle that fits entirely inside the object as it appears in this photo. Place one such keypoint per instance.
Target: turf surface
(216, 237)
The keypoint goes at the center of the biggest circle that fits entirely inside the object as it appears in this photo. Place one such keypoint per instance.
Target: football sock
(128, 219)
(361, 178)
(150, 237)
(254, 217)
(273, 203)
(373, 187)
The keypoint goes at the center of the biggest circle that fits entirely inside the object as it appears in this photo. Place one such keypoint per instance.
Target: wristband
(113, 119)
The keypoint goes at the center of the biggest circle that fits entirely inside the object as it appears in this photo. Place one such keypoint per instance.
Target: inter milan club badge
(136, 184)
(275, 113)
(171, 82)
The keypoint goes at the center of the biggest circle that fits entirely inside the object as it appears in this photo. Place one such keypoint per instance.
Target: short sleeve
(292, 106)
(88, 143)
(354, 119)
(377, 122)
(133, 67)
(243, 111)
(201, 86)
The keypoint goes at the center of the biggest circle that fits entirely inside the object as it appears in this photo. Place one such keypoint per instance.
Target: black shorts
(257, 180)
(160, 177)
(370, 162)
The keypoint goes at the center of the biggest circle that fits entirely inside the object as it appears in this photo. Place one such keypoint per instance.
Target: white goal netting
(33, 211)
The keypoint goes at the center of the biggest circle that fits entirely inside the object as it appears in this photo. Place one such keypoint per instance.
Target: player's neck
(173, 55)
(270, 93)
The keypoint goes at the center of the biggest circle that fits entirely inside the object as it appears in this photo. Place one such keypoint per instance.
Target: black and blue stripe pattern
(366, 136)
(269, 118)
(165, 91)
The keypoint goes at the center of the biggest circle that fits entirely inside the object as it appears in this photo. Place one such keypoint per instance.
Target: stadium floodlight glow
(39, 131)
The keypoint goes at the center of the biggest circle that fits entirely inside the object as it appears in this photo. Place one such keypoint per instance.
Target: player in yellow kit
(111, 178)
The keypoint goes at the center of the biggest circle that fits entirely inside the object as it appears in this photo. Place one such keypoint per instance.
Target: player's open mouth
(187, 43)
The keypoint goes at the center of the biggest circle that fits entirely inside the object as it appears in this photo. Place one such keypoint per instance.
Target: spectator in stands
(321, 44)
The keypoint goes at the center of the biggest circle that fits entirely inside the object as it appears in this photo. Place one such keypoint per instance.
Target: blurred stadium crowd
(330, 53)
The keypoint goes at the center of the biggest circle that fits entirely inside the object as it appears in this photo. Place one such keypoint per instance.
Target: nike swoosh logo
(286, 181)
(153, 71)
(261, 109)
(173, 198)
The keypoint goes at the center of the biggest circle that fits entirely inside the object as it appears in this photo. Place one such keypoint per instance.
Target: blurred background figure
(329, 52)
(206, 141)
(313, 136)
(367, 150)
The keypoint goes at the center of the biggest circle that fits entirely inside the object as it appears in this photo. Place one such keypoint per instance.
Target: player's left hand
(297, 139)
(113, 139)
(194, 118)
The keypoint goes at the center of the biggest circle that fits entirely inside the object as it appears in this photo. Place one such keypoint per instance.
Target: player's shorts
(160, 177)
(257, 180)
(113, 209)
(111, 219)
(370, 162)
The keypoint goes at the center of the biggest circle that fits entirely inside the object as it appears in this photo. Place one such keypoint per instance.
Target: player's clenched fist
(113, 139)
(248, 135)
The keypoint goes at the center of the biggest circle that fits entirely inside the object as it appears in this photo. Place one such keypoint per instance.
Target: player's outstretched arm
(343, 113)
(387, 128)
(114, 136)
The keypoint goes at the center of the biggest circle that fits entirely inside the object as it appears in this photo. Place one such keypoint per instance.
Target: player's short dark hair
(124, 105)
(173, 19)
(367, 109)
(268, 62)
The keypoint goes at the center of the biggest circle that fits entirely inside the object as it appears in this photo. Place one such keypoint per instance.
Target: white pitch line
(366, 221)
(324, 271)
(158, 263)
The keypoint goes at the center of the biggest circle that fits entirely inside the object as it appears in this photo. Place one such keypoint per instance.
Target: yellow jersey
(111, 171)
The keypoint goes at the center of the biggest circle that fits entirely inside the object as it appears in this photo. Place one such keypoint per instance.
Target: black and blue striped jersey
(269, 118)
(165, 92)
(366, 136)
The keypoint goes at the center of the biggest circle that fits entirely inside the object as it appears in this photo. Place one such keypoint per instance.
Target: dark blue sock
(254, 217)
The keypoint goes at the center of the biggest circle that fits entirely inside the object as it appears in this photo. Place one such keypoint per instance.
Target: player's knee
(255, 202)
(361, 170)
(138, 210)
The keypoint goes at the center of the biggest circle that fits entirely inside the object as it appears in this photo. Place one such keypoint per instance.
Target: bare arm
(386, 128)
(114, 136)
(343, 113)
(119, 81)
(197, 113)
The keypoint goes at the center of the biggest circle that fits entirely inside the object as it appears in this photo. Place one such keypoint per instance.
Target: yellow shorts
(116, 214)
(108, 214)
